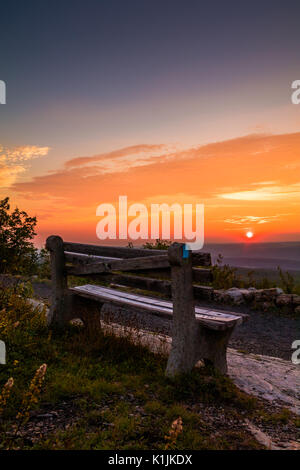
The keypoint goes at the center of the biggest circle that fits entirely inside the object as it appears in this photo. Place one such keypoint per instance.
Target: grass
(109, 394)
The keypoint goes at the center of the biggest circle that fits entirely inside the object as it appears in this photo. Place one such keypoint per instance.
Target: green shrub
(224, 276)
(158, 245)
(287, 281)
(17, 229)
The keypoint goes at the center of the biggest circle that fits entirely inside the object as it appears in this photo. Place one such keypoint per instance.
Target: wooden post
(182, 356)
(190, 340)
(212, 345)
(59, 298)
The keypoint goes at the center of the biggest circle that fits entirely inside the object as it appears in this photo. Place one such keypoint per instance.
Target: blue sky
(113, 71)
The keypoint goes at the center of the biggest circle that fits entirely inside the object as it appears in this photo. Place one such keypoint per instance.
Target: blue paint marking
(185, 253)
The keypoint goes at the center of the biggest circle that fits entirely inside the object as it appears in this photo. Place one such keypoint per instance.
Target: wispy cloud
(121, 159)
(251, 219)
(14, 161)
(265, 193)
(23, 153)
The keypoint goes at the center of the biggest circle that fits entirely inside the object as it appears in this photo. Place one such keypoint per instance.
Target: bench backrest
(145, 269)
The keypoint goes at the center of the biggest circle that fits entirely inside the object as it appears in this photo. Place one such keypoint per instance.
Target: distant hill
(258, 255)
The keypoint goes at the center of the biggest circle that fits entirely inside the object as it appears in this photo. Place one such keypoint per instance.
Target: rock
(296, 299)
(279, 290)
(297, 310)
(248, 294)
(77, 322)
(235, 295)
(284, 299)
(268, 294)
(267, 306)
(259, 296)
(219, 295)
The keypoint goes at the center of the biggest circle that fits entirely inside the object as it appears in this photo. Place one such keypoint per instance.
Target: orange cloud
(267, 193)
(252, 219)
(134, 150)
(234, 178)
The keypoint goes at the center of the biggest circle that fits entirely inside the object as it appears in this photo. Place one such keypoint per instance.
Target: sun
(249, 234)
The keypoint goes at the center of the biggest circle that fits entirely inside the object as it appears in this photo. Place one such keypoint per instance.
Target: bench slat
(91, 264)
(133, 264)
(165, 303)
(80, 258)
(213, 319)
(199, 258)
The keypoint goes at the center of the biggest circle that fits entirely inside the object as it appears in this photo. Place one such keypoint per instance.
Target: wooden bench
(197, 333)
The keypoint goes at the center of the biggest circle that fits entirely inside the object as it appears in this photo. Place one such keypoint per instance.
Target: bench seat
(213, 319)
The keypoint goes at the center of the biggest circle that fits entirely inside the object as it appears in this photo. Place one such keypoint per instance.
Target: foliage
(158, 245)
(32, 395)
(224, 276)
(42, 269)
(287, 281)
(171, 438)
(17, 229)
(4, 395)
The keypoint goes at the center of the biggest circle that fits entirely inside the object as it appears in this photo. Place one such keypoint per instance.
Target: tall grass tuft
(5, 393)
(31, 397)
(171, 438)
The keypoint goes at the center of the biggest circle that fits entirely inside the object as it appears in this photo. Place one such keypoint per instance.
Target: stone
(297, 310)
(248, 294)
(284, 299)
(235, 295)
(268, 294)
(267, 306)
(219, 295)
(296, 299)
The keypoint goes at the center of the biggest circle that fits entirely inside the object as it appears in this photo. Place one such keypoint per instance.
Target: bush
(43, 264)
(224, 276)
(287, 281)
(17, 229)
(158, 245)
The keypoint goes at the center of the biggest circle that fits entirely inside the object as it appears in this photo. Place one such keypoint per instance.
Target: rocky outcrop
(265, 299)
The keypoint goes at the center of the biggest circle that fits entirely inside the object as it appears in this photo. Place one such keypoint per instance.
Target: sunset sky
(162, 101)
